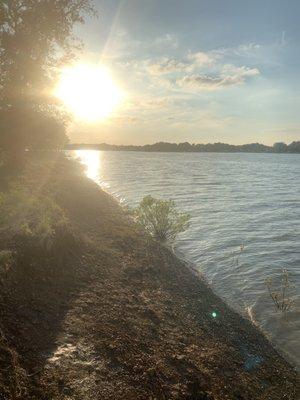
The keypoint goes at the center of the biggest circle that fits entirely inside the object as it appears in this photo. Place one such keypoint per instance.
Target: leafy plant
(34, 219)
(281, 295)
(6, 260)
(36, 39)
(161, 218)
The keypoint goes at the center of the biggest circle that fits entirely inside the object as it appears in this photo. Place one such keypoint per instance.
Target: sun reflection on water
(91, 159)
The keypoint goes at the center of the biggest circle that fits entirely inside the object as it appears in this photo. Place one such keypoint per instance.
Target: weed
(281, 296)
(6, 261)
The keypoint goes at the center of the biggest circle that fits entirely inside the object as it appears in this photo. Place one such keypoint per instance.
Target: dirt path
(138, 324)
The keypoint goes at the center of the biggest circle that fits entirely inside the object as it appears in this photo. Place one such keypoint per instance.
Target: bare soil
(122, 318)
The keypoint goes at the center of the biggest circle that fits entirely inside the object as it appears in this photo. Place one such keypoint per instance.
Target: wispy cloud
(188, 63)
(243, 50)
(199, 71)
(229, 76)
(121, 45)
(167, 41)
(165, 89)
(166, 66)
(203, 59)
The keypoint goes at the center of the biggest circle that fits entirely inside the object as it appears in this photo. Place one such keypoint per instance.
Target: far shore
(163, 147)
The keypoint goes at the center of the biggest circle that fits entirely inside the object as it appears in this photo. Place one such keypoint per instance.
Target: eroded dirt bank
(123, 319)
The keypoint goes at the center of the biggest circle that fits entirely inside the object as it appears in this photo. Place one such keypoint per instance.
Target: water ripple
(234, 199)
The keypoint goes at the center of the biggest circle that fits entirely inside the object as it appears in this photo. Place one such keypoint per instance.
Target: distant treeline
(294, 147)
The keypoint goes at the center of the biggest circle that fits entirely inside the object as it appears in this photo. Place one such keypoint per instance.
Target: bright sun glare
(88, 91)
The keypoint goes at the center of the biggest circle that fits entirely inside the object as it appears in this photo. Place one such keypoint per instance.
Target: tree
(294, 147)
(161, 219)
(280, 147)
(36, 38)
(26, 128)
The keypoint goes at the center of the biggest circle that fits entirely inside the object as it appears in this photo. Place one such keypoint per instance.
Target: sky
(202, 71)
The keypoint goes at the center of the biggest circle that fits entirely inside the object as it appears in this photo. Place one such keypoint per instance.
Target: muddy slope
(124, 319)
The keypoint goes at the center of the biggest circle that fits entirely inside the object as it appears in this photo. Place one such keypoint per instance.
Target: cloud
(202, 59)
(122, 45)
(201, 62)
(282, 42)
(247, 49)
(166, 66)
(229, 76)
(189, 63)
(157, 103)
(239, 74)
(244, 50)
(185, 72)
(203, 82)
(169, 40)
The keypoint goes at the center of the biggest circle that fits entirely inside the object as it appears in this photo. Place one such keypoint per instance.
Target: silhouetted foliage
(36, 37)
(161, 219)
(280, 147)
(294, 147)
(25, 128)
(195, 148)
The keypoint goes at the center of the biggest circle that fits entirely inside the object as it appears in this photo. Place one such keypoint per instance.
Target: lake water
(245, 223)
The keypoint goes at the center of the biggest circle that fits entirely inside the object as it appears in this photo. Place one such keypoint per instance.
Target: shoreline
(200, 275)
(125, 318)
(246, 314)
(165, 147)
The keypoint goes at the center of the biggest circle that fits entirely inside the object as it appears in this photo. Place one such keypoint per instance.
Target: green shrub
(161, 219)
(6, 260)
(32, 222)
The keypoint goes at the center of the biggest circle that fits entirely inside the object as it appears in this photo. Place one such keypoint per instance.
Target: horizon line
(178, 143)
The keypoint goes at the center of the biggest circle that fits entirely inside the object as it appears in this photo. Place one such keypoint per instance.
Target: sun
(88, 91)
